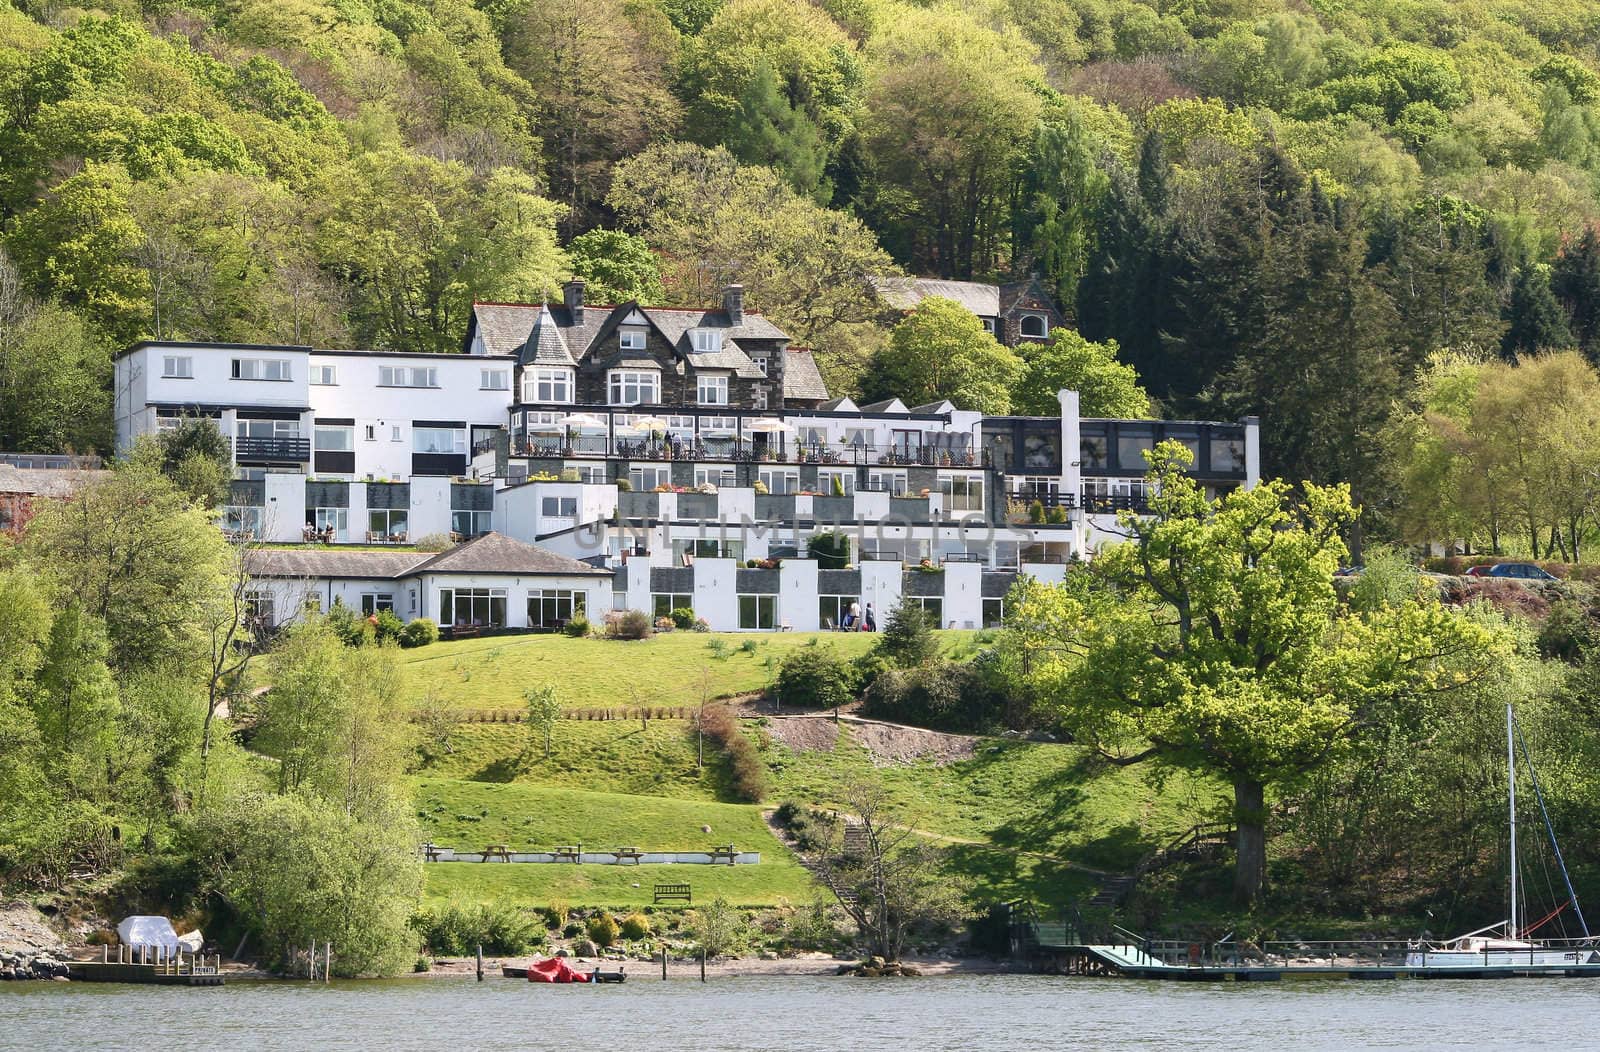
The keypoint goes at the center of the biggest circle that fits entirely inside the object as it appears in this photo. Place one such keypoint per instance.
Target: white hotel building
(627, 457)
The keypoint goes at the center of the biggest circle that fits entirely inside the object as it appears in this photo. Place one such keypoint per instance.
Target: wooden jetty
(179, 970)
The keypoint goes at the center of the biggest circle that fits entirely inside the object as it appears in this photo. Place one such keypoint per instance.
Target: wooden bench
(499, 851)
(724, 853)
(568, 853)
(628, 852)
(464, 631)
(676, 892)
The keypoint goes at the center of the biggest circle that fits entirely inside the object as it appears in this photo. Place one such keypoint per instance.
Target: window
(665, 603)
(633, 387)
(1131, 450)
(258, 607)
(243, 520)
(401, 376)
(547, 385)
(593, 474)
(932, 605)
(712, 389)
(333, 438)
(494, 379)
(780, 482)
(177, 367)
(335, 519)
(859, 437)
(372, 602)
(645, 479)
(1093, 452)
(438, 440)
(275, 369)
(760, 397)
(1034, 325)
(758, 611)
(988, 325)
(553, 607)
(483, 607)
(471, 523)
(630, 339)
(718, 477)
(706, 341)
(387, 525)
(1040, 486)
(837, 483)
(705, 548)
(994, 612)
(372, 433)
(324, 375)
(252, 427)
(395, 435)
(561, 507)
(891, 482)
(962, 492)
(761, 363)
(1227, 455)
(832, 608)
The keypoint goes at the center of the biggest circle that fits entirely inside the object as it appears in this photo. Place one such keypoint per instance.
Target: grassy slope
(492, 673)
(472, 814)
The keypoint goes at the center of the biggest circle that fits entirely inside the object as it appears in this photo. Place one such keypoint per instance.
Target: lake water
(793, 1014)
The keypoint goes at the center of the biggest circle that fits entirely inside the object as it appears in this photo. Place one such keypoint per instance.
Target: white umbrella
(581, 420)
(768, 425)
(650, 423)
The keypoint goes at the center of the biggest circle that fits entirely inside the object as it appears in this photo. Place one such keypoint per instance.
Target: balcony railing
(288, 449)
(739, 451)
(1096, 502)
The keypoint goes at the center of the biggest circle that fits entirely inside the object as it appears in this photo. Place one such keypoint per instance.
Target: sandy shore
(722, 968)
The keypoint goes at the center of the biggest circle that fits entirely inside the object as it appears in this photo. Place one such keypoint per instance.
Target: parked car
(1519, 572)
(1481, 570)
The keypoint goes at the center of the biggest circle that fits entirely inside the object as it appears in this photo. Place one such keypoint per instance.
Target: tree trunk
(1250, 815)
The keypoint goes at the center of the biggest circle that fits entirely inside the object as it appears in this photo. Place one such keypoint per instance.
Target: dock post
(311, 961)
(480, 962)
(663, 963)
(105, 954)
(327, 960)
(702, 964)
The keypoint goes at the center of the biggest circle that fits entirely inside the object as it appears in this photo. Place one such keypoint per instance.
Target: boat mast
(1511, 776)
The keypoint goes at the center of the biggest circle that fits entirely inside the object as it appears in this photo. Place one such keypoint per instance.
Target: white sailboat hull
(1530, 958)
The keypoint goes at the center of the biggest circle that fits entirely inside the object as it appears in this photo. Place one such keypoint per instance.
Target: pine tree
(1536, 321)
(770, 129)
(1575, 280)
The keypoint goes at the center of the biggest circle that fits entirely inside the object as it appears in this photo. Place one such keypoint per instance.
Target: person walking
(869, 623)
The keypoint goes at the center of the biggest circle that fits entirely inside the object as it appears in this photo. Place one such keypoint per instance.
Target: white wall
(797, 594)
(517, 589)
(963, 595)
(715, 596)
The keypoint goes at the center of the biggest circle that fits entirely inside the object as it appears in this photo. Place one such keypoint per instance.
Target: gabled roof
(905, 293)
(834, 405)
(888, 405)
(495, 553)
(944, 405)
(801, 380)
(546, 345)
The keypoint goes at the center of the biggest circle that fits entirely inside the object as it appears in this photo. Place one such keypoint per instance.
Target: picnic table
(568, 853)
(725, 852)
(500, 851)
(431, 851)
(629, 852)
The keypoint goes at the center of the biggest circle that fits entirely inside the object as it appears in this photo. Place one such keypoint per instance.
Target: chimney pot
(733, 304)
(572, 298)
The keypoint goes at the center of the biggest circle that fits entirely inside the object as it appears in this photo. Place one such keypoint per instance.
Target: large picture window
(334, 438)
(831, 609)
(438, 440)
(932, 605)
(386, 525)
(275, 369)
(664, 603)
(635, 387)
(758, 611)
(372, 602)
(553, 607)
(547, 385)
(479, 607)
(962, 492)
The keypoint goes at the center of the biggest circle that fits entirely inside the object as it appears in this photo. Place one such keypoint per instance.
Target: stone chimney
(733, 304)
(572, 299)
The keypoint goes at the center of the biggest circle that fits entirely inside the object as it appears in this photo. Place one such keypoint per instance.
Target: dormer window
(630, 339)
(1033, 326)
(547, 385)
(706, 341)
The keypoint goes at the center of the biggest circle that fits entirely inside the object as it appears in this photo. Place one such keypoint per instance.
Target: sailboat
(1507, 943)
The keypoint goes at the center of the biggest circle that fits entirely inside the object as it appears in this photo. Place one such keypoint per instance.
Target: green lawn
(469, 815)
(616, 755)
(666, 670)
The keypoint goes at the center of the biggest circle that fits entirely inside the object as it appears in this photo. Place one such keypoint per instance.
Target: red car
(1477, 571)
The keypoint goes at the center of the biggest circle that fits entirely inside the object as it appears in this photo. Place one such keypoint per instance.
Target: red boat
(557, 970)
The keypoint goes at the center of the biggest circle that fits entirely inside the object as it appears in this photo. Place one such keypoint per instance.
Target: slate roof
(330, 562)
(545, 345)
(836, 404)
(905, 293)
(492, 553)
(45, 482)
(801, 380)
(888, 405)
(941, 406)
(498, 554)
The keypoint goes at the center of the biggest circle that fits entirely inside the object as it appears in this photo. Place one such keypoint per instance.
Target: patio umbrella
(768, 425)
(651, 423)
(582, 420)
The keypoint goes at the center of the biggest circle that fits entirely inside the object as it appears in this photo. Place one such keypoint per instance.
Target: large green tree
(1213, 640)
(941, 350)
(1106, 387)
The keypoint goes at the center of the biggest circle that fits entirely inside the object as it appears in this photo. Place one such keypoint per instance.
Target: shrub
(624, 486)
(838, 485)
(570, 475)
(555, 915)
(1057, 516)
(387, 626)
(435, 542)
(717, 928)
(746, 773)
(1036, 512)
(419, 633)
(702, 625)
(602, 929)
(1568, 631)
(664, 624)
(813, 677)
(635, 926)
(831, 550)
(457, 929)
(682, 617)
(761, 487)
(944, 696)
(907, 639)
(748, 646)
(352, 629)
(578, 627)
(629, 624)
